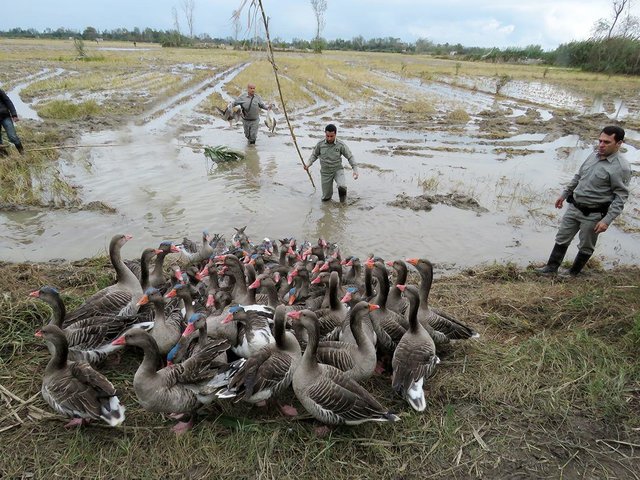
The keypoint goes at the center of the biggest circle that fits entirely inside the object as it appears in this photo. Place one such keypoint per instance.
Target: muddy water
(163, 188)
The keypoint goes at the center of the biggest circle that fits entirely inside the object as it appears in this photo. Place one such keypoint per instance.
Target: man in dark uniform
(596, 196)
(8, 115)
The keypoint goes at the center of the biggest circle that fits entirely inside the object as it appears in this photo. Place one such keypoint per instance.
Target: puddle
(153, 173)
(23, 109)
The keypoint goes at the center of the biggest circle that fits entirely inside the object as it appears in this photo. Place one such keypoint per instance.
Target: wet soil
(147, 175)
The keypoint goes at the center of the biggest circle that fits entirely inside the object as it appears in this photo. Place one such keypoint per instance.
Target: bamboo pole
(275, 73)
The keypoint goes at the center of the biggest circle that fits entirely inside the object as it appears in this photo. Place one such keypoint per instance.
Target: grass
(65, 110)
(33, 179)
(551, 387)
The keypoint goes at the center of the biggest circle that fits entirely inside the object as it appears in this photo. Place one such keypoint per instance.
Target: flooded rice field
(486, 186)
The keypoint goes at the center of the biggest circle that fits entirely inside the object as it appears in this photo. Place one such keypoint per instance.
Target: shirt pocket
(601, 178)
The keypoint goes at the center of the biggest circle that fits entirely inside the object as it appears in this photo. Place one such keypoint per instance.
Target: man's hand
(305, 166)
(15, 119)
(600, 227)
(355, 175)
(559, 202)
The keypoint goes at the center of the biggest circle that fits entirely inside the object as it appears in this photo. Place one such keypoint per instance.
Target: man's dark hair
(332, 128)
(617, 132)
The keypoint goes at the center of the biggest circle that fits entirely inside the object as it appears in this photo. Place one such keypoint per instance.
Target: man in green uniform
(596, 196)
(330, 152)
(251, 104)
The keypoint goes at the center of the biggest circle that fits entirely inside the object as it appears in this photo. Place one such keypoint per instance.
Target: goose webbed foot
(77, 422)
(289, 410)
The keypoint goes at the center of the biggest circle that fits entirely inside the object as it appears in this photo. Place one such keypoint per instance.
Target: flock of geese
(245, 322)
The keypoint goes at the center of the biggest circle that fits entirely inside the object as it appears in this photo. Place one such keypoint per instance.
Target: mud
(427, 202)
(496, 175)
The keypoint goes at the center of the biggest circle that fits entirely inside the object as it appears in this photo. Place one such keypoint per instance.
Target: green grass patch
(66, 110)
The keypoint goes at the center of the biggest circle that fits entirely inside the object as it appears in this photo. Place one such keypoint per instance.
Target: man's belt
(602, 209)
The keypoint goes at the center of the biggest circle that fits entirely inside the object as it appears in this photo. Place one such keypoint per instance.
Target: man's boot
(342, 193)
(555, 259)
(579, 263)
(20, 148)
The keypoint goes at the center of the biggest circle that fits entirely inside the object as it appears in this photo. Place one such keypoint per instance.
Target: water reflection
(332, 225)
(241, 175)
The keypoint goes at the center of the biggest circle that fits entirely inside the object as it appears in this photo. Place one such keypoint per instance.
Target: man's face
(251, 89)
(607, 145)
(330, 136)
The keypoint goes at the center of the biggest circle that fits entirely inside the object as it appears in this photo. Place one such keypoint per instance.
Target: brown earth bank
(551, 389)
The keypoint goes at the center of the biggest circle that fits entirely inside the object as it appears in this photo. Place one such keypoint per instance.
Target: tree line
(613, 54)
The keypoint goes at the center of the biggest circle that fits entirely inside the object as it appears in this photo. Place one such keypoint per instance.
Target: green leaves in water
(222, 154)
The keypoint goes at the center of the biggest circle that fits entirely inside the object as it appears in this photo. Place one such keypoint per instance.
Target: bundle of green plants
(222, 153)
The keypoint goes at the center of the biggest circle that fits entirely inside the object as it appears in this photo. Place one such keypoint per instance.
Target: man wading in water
(251, 104)
(330, 152)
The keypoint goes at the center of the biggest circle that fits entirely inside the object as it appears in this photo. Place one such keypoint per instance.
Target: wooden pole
(275, 72)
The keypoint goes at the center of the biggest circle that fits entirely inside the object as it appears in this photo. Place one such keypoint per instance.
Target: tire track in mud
(24, 109)
(189, 98)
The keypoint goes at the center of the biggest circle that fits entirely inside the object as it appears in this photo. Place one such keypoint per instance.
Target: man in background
(8, 115)
(251, 103)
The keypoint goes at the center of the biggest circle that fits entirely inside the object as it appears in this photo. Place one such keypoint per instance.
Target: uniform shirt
(250, 106)
(601, 181)
(330, 155)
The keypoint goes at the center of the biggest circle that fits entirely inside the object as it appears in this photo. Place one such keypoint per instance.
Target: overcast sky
(491, 23)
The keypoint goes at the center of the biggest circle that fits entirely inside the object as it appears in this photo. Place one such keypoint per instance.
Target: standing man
(330, 152)
(251, 103)
(8, 115)
(596, 196)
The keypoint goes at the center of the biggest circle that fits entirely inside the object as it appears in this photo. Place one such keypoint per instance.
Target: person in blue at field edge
(596, 196)
(8, 115)
(330, 152)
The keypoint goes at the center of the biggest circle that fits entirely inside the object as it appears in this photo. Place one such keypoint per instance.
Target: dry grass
(550, 389)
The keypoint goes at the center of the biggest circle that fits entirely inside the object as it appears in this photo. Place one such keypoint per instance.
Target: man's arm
(314, 156)
(346, 152)
(620, 188)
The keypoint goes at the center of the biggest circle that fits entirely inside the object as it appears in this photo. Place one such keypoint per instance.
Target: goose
(252, 296)
(75, 389)
(328, 394)
(392, 324)
(269, 372)
(118, 299)
(452, 328)
(194, 339)
(356, 360)
(176, 389)
(267, 283)
(414, 359)
(166, 329)
(156, 276)
(88, 339)
(395, 300)
(334, 315)
(235, 270)
(252, 329)
(183, 292)
(194, 254)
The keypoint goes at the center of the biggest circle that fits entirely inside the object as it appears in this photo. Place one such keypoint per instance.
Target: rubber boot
(555, 259)
(20, 148)
(579, 263)
(342, 193)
